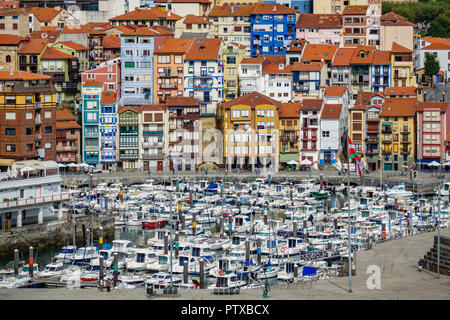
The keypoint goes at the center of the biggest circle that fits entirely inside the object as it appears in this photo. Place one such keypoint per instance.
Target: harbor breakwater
(53, 233)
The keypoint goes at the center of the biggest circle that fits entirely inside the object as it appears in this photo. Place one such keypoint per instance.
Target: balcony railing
(91, 148)
(302, 87)
(90, 134)
(37, 105)
(66, 159)
(38, 121)
(67, 148)
(152, 144)
(168, 86)
(34, 201)
(155, 132)
(150, 156)
(71, 136)
(168, 75)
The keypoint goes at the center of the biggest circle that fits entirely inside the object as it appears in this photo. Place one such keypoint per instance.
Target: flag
(353, 155)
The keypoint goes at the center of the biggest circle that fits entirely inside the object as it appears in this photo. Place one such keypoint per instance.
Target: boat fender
(283, 250)
(221, 273)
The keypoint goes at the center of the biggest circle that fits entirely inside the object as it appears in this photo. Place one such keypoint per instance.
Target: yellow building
(250, 126)
(232, 54)
(402, 65)
(191, 25)
(398, 129)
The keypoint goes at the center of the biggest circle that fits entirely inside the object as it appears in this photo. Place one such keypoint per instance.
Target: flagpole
(348, 211)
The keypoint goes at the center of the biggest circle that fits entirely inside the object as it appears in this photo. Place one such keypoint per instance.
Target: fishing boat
(227, 281)
(153, 223)
(52, 269)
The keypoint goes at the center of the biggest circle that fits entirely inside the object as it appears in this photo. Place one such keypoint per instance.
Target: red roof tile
(108, 97)
(305, 66)
(319, 21)
(443, 106)
(33, 46)
(67, 125)
(296, 46)
(21, 75)
(231, 11)
(111, 42)
(204, 48)
(290, 110)
(175, 45)
(190, 18)
(398, 107)
(350, 10)
(343, 57)
(402, 91)
(142, 14)
(311, 104)
(252, 99)
(396, 48)
(53, 54)
(363, 55)
(275, 68)
(73, 45)
(90, 83)
(10, 39)
(381, 57)
(335, 91)
(271, 8)
(181, 101)
(317, 52)
(331, 111)
(64, 114)
(44, 14)
(393, 19)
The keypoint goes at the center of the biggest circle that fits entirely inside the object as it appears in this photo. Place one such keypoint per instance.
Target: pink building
(108, 73)
(67, 137)
(320, 28)
(432, 131)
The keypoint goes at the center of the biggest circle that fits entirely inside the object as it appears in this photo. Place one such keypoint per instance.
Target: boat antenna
(348, 212)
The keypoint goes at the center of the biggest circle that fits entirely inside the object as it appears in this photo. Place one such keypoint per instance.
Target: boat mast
(171, 244)
(349, 227)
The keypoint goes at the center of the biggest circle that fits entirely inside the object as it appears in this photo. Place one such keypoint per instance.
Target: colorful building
(289, 134)
(380, 71)
(76, 50)
(307, 78)
(107, 73)
(128, 139)
(251, 129)
(272, 29)
(320, 28)
(30, 53)
(108, 130)
(402, 64)
(27, 116)
(91, 93)
(9, 45)
(232, 55)
(68, 137)
(310, 131)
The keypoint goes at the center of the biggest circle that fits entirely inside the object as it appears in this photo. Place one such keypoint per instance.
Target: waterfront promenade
(397, 260)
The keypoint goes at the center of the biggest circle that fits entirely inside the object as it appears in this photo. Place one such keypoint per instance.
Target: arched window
(8, 58)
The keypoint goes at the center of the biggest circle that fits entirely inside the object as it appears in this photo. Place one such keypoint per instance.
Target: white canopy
(447, 163)
(434, 164)
(61, 165)
(84, 165)
(26, 169)
(292, 162)
(305, 162)
(72, 165)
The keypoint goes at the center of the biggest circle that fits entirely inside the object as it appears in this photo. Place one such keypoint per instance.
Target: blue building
(305, 6)
(380, 71)
(108, 130)
(90, 108)
(272, 29)
(137, 48)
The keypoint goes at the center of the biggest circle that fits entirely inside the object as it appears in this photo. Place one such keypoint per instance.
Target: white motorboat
(53, 269)
(227, 280)
(162, 280)
(66, 254)
(14, 282)
(398, 191)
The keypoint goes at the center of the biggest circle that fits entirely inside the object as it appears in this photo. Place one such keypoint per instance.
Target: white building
(309, 131)
(440, 48)
(373, 26)
(28, 193)
(277, 81)
(332, 129)
(250, 75)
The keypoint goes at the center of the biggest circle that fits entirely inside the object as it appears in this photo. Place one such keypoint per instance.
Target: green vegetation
(431, 65)
(433, 15)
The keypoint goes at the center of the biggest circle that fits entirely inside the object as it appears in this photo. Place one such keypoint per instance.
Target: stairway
(430, 259)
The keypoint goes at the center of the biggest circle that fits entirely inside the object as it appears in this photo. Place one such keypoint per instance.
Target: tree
(431, 66)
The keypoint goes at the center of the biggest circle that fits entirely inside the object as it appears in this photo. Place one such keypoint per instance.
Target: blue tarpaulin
(309, 271)
(212, 186)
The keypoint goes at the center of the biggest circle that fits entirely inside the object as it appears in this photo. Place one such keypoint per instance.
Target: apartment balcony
(37, 105)
(169, 86)
(404, 141)
(404, 130)
(71, 136)
(128, 157)
(308, 149)
(372, 140)
(373, 120)
(357, 82)
(289, 150)
(38, 121)
(387, 141)
(152, 144)
(405, 152)
(86, 148)
(38, 137)
(203, 86)
(168, 75)
(371, 159)
(302, 87)
(372, 152)
(67, 148)
(157, 132)
(91, 134)
(386, 130)
(35, 201)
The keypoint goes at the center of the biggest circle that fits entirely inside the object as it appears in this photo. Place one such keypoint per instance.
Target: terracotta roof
(355, 10)
(271, 8)
(122, 28)
(448, 138)
(76, 29)
(304, 66)
(290, 110)
(381, 57)
(343, 57)
(257, 60)
(319, 21)
(90, 83)
(54, 54)
(44, 14)
(204, 48)
(237, 44)
(443, 106)
(108, 97)
(67, 125)
(181, 102)
(311, 104)
(363, 55)
(146, 14)
(72, 45)
(33, 46)
(275, 68)
(175, 45)
(10, 39)
(398, 107)
(225, 11)
(49, 28)
(190, 18)
(252, 99)
(64, 114)
(331, 111)
(393, 19)
(102, 25)
(21, 75)
(10, 12)
(111, 42)
(436, 43)
(335, 91)
(145, 31)
(153, 107)
(317, 52)
(403, 91)
(50, 36)
(363, 98)
(396, 48)
(126, 108)
(296, 45)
